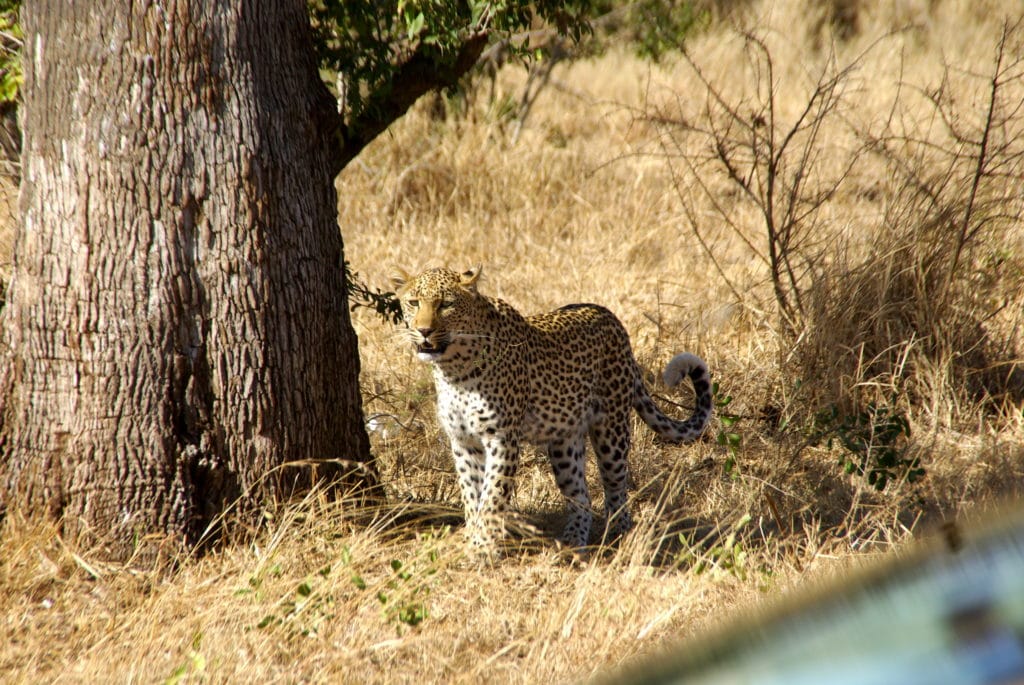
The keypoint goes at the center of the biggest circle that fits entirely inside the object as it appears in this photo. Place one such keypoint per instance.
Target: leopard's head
(440, 307)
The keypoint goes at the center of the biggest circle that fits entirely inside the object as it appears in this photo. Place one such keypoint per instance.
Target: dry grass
(570, 212)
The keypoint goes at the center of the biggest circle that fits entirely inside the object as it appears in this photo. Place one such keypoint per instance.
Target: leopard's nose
(425, 332)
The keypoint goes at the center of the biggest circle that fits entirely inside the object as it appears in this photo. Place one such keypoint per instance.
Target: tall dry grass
(586, 206)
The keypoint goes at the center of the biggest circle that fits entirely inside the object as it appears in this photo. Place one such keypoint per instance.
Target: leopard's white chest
(468, 415)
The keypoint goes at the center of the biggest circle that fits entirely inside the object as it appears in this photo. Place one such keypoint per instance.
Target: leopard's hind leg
(567, 459)
(610, 437)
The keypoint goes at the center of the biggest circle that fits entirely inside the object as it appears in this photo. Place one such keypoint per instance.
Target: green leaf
(415, 26)
(177, 675)
(413, 614)
(476, 11)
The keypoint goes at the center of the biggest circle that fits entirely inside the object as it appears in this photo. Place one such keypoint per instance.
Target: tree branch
(418, 76)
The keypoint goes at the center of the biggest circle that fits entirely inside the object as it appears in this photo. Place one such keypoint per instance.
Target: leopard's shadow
(667, 544)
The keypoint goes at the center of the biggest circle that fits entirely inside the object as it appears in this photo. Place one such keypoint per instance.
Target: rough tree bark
(176, 327)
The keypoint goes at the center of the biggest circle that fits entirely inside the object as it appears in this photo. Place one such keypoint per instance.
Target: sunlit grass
(574, 210)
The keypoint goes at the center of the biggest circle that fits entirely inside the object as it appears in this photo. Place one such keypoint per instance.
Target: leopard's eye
(414, 303)
(447, 304)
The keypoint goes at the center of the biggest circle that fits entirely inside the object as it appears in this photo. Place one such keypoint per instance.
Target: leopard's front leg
(501, 460)
(485, 472)
(469, 466)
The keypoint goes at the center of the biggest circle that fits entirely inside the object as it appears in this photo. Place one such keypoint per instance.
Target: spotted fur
(552, 379)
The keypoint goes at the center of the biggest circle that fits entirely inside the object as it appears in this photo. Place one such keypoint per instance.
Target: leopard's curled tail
(672, 430)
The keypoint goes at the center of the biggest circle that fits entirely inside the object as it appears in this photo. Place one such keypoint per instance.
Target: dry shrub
(931, 306)
(887, 228)
(894, 323)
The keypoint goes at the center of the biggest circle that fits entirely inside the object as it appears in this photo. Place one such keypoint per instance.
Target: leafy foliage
(368, 42)
(305, 610)
(727, 437)
(874, 441)
(385, 304)
(723, 559)
(380, 57)
(11, 74)
(403, 596)
(314, 601)
(660, 26)
(403, 601)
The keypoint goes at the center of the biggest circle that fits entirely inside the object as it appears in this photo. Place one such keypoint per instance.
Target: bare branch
(982, 159)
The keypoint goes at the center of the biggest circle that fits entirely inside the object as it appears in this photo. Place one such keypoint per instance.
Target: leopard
(554, 379)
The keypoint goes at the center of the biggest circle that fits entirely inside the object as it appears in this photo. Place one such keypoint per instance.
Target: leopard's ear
(400, 279)
(468, 279)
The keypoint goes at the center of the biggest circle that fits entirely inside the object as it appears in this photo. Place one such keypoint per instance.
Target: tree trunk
(176, 328)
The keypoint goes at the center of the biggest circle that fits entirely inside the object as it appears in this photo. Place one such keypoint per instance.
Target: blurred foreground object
(950, 613)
